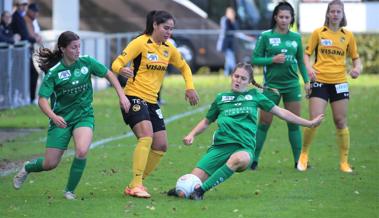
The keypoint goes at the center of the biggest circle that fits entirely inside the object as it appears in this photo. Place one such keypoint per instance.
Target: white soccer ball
(186, 184)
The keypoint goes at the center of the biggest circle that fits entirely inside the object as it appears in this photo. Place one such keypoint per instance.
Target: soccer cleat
(172, 192)
(20, 177)
(138, 191)
(302, 164)
(254, 165)
(69, 195)
(345, 167)
(197, 194)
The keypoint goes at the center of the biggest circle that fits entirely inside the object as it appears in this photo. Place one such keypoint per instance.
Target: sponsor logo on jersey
(64, 75)
(227, 98)
(152, 57)
(84, 70)
(136, 107)
(248, 97)
(326, 42)
(156, 67)
(274, 41)
(332, 51)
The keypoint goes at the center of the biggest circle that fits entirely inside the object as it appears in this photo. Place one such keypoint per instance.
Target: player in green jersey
(233, 144)
(280, 51)
(68, 84)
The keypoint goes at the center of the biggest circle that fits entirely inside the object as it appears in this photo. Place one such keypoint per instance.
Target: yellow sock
(153, 161)
(343, 141)
(140, 155)
(309, 134)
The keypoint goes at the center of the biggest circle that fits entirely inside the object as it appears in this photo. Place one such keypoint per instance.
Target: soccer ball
(186, 184)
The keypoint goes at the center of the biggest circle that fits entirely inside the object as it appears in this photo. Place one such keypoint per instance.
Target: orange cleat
(345, 167)
(302, 164)
(138, 191)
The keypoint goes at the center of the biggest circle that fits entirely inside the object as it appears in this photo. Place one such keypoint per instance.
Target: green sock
(221, 175)
(35, 165)
(261, 138)
(294, 135)
(76, 173)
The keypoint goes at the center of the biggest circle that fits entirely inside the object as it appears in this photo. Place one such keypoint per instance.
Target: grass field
(275, 190)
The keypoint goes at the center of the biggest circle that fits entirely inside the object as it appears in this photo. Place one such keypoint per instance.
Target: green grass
(274, 190)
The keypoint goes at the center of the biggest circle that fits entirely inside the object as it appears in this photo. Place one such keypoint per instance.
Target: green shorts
(292, 94)
(60, 137)
(218, 155)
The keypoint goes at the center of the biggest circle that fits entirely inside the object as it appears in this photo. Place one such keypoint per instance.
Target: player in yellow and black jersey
(144, 62)
(331, 44)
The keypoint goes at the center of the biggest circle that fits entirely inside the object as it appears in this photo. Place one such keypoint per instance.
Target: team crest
(152, 57)
(294, 44)
(64, 75)
(84, 70)
(76, 73)
(136, 107)
(342, 39)
(165, 53)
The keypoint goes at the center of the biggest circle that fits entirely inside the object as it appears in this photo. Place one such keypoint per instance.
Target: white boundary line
(115, 138)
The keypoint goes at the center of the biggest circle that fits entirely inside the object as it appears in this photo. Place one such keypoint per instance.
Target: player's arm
(199, 128)
(121, 64)
(292, 118)
(311, 46)
(124, 101)
(353, 52)
(44, 105)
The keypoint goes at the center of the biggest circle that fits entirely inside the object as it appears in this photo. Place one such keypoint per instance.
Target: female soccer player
(280, 51)
(331, 44)
(234, 140)
(144, 61)
(68, 85)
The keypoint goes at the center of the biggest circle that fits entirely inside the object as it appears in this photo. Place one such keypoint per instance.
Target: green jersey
(280, 76)
(236, 115)
(71, 87)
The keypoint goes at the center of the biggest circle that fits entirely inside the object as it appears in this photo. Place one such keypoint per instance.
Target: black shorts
(141, 110)
(330, 92)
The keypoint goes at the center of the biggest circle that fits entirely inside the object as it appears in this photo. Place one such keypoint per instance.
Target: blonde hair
(340, 3)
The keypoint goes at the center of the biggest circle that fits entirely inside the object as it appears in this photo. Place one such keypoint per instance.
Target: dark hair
(249, 69)
(343, 21)
(47, 58)
(283, 6)
(157, 17)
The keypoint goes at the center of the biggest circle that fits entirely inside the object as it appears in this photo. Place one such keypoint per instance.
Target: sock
(35, 165)
(343, 141)
(219, 176)
(309, 134)
(76, 173)
(140, 156)
(294, 135)
(152, 161)
(261, 138)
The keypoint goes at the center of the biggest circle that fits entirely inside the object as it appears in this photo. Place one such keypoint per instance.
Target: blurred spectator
(225, 39)
(6, 32)
(18, 22)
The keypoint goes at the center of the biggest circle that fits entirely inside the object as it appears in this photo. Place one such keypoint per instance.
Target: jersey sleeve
(300, 60)
(259, 55)
(213, 111)
(47, 86)
(264, 103)
(97, 68)
(128, 54)
(312, 43)
(177, 61)
(352, 48)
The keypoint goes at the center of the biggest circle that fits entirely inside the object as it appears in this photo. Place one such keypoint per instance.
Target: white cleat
(69, 195)
(20, 177)
(302, 164)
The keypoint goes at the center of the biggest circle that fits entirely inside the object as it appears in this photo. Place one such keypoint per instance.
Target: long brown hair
(343, 21)
(157, 17)
(47, 58)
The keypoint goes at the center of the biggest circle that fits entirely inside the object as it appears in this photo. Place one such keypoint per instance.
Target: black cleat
(254, 165)
(172, 192)
(197, 194)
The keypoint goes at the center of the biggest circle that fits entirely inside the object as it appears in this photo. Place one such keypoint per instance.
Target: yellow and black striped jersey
(331, 49)
(149, 61)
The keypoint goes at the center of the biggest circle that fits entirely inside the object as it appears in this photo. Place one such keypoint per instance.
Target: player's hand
(188, 140)
(125, 103)
(59, 121)
(307, 89)
(316, 121)
(312, 74)
(127, 72)
(354, 73)
(279, 58)
(192, 97)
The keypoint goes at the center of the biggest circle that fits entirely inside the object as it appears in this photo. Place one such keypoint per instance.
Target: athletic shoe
(345, 167)
(69, 195)
(20, 177)
(172, 192)
(197, 194)
(138, 191)
(302, 164)
(254, 165)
